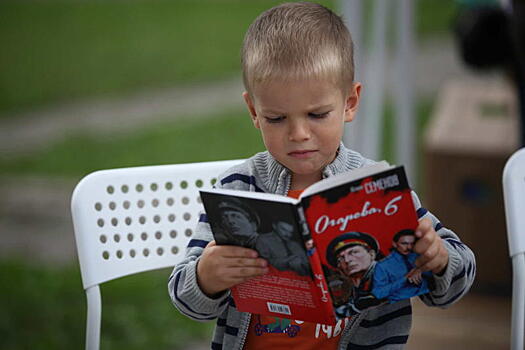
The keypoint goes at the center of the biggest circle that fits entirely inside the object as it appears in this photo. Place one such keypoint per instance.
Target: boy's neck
(300, 182)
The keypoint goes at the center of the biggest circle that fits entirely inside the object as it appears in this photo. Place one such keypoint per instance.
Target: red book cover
(364, 233)
(343, 246)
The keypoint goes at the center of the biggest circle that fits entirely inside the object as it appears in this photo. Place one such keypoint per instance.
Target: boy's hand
(433, 254)
(222, 267)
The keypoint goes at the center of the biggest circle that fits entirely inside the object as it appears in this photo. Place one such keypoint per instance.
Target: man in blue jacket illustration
(396, 276)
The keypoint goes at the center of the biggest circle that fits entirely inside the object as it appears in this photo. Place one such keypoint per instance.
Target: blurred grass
(434, 18)
(227, 135)
(57, 50)
(45, 308)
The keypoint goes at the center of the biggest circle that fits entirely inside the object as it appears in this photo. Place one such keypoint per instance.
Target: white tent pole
(374, 90)
(352, 12)
(405, 126)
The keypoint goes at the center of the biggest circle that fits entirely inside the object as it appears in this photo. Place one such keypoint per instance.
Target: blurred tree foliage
(60, 50)
(57, 50)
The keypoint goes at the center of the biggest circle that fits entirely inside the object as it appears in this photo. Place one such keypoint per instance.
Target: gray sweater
(383, 327)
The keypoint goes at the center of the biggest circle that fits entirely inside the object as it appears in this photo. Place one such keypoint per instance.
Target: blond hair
(297, 41)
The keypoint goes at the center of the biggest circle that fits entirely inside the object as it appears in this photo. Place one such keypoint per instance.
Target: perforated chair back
(514, 195)
(132, 220)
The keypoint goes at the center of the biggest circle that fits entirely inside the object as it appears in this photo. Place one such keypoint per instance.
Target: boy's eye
(274, 119)
(318, 115)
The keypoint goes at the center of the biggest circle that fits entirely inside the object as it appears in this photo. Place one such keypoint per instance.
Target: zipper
(285, 176)
(245, 331)
(288, 185)
(348, 329)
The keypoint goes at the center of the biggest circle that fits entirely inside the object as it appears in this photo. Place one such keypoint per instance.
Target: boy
(298, 74)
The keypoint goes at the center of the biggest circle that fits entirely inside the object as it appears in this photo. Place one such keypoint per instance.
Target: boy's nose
(299, 131)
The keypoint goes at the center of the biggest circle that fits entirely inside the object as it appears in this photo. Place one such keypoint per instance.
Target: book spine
(302, 223)
(323, 294)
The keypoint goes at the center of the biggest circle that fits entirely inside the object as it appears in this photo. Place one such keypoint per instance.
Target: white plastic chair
(132, 220)
(514, 195)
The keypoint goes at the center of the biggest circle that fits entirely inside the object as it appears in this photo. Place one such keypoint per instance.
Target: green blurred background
(62, 52)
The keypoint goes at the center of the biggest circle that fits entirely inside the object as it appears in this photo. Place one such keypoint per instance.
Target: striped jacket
(383, 327)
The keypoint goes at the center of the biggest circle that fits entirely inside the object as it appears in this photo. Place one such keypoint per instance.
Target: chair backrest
(514, 195)
(132, 220)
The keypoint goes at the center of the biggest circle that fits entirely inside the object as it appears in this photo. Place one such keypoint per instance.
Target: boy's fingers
(242, 262)
(248, 272)
(436, 263)
(424, 226)
(425, 242)
(244, 252)
(232, 251)
(425, 258)
(423, 261)
(235, 251)
(432, 250)
(239, 274)
(441, 260)
(422, 245)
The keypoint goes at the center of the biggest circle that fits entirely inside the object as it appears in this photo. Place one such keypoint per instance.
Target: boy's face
(302, 123)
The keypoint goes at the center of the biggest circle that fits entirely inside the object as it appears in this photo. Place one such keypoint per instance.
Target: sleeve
(460, 271)
(183, 288)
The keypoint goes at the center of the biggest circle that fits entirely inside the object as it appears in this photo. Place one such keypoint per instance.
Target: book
(343, 246)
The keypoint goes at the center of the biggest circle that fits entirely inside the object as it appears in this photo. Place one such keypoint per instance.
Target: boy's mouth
(302, 153)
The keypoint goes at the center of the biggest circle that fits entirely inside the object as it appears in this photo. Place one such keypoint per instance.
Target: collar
(277, 179)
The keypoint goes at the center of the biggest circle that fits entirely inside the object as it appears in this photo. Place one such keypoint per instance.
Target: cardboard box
(472, 133)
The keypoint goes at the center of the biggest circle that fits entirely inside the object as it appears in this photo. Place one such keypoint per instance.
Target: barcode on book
(279, 308)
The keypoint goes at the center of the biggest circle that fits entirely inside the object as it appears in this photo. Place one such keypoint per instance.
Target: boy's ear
(352, 102)
(251, 109)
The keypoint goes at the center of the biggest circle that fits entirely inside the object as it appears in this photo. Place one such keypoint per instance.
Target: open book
(344, 245)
